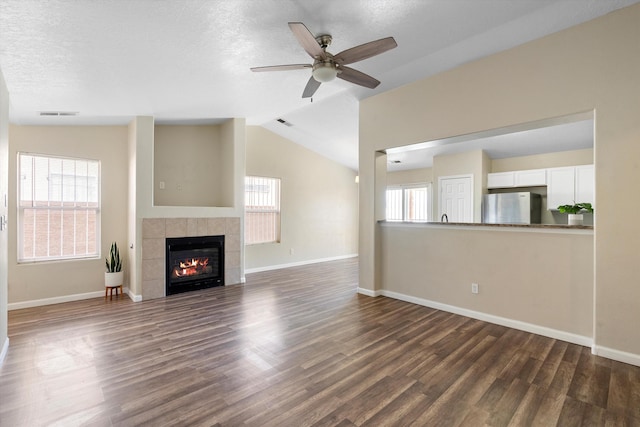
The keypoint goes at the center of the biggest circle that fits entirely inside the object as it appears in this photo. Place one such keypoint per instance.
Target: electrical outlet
(162, 185)
(474, 288)
(291, 251)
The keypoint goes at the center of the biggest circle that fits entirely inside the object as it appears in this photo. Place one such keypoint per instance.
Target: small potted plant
(113, 277)
(575, 212)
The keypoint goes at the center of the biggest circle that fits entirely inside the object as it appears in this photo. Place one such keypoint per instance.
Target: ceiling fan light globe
(324, 73)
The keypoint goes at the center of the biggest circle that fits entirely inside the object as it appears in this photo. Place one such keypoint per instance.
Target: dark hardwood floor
(297, 347)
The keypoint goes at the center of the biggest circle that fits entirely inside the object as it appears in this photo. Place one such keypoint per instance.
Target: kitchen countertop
(478, 224)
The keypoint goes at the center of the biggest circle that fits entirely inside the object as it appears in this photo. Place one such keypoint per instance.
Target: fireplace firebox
(194, 263)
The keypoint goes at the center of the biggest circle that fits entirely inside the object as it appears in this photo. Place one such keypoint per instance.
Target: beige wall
(543, 161)
(108, 144)
(187, 160)
(593, 66)
(319, 202)
(438, 264)
(411, 176)
(4, 184)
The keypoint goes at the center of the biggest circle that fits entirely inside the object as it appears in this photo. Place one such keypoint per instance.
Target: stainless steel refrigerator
(512, 208)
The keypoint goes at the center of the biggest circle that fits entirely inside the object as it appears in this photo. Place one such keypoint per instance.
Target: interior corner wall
(133, 230)
(234, 137)
(594, 66)
(486, 168)
(319, 202)
(4, 211)
(228, 131)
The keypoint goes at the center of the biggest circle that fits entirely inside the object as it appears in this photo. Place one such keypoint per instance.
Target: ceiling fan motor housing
(325, 70)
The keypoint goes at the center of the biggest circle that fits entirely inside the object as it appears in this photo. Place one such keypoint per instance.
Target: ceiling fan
(326, 66)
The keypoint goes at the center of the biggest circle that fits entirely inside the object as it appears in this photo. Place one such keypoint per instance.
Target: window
(408, 203)
(58, 208)
(262, 210)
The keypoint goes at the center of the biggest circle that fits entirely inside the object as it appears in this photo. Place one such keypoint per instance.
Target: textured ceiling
(188, 61)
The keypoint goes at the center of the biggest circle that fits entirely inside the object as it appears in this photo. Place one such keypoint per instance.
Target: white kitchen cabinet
(565, 185)
(526, 178)
(561, 184)
(501, 180)
(585, 182)
(569, 185)
(531, 178)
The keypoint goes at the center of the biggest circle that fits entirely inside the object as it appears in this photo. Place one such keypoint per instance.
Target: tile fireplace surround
(154, 232)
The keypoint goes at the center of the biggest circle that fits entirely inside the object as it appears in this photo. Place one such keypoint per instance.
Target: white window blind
(415, 204)
(408, 203)
(262, 210)
(58, 208)
(394, 204)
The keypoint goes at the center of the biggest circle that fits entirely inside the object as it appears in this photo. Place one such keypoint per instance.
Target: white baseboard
(297, 264)
(5, 349)
(369, 292)
(620, 356)
(503, 321)
(67, 298)
(134, 297)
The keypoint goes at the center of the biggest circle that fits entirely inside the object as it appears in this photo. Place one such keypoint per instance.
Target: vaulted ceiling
(188, 61)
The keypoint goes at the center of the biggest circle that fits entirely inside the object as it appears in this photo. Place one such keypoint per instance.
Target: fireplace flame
(191, 267)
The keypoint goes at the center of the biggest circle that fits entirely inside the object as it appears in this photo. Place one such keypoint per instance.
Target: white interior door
(456, 198)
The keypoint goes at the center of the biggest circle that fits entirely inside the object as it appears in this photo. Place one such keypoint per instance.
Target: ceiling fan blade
(311, 88)
(281, 67)
(357, 77)
(306, 40)
(365, 51)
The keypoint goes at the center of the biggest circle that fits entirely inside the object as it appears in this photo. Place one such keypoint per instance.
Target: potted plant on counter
(113, 277)
(575, 212)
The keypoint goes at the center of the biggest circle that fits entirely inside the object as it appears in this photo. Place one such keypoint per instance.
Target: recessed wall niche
(192, 165)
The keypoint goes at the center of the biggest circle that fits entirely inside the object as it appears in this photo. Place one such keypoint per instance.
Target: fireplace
(194, 263)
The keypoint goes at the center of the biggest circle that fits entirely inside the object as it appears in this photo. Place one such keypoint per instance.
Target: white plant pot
(576, 219)
(113, 279)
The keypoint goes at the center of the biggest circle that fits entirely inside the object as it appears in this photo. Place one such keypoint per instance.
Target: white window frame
(45, 205)
(275, 210)
(403, 188)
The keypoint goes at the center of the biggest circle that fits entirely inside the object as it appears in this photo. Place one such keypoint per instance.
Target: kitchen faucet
(444, 217)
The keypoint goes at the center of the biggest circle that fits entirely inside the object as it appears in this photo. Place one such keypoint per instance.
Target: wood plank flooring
(297, 347)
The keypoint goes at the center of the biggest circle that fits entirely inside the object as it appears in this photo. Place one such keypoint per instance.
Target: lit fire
(192, 267)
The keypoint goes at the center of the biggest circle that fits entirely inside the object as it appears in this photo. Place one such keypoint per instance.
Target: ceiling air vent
(284, 122)
(57, 113)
